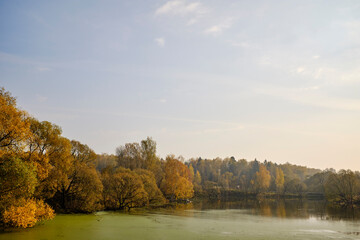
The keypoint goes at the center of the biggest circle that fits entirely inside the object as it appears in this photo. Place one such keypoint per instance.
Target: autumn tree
(123, 189)
(17, 185)
(26, 213)
(19, 176)
(155, 196)
(17, 180)
(76, 184)
(262, 179)
(82, 153)
(279, 180)
(177, 182)
(143, 155)
(55, 186)
(196, 179)
(14, 124)
(197, 182)
(84, 191)
(148, 154)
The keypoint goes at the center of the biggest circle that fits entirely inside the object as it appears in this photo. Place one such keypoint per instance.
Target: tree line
(42, 172)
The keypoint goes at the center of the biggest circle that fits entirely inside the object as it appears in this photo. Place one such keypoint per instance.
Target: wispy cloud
(219, 28)
(160, 41)
(191, 12)
(178, 7)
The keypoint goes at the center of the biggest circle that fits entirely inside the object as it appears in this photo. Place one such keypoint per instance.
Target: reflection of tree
(336, 213)
(284, 208)
(280, 209)
(179, 209)
(265, 209)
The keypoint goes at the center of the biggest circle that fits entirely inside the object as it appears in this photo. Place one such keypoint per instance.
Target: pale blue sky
(275, 80)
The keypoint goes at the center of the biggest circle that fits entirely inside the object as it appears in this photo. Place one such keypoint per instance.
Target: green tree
(17, 180)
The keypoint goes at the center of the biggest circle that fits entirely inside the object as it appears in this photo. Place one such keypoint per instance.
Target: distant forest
(42, 172)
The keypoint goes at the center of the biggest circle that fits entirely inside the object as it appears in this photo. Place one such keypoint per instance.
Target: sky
(274, 80)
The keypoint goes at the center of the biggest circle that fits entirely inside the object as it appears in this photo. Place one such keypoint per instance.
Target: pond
(247, 219)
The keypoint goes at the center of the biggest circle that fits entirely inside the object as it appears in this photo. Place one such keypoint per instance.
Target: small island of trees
(42, 172)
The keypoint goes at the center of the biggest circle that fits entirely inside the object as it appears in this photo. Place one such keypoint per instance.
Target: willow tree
(123, 189)
(343, 188)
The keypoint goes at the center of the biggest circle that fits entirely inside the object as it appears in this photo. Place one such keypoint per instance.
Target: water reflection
(280, 208)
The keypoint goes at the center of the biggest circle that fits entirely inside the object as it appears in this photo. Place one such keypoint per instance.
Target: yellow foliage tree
(279, 180)
(155, 196)
(177, 183)
(20, 174)
(262, 179)
(14, 124)
(26, 213)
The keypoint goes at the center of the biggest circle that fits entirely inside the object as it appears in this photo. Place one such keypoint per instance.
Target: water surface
(251, 219)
